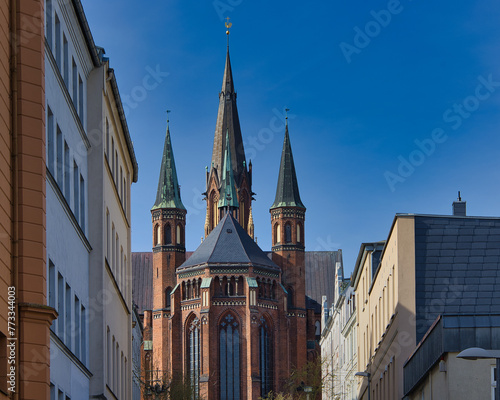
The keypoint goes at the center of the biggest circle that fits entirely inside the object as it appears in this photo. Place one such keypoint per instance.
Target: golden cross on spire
(228, 25)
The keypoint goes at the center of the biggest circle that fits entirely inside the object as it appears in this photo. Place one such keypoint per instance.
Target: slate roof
(287, 190)
(320, 274)
(168, 194)
(227, 244)
(142, 280)
(228, 121)
(319, 269)
(457, 267)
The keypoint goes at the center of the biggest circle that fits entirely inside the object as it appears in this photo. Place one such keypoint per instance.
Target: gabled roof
(229, 244)
(287, 191)
(168, 193)
(228, 121)
(228, 196)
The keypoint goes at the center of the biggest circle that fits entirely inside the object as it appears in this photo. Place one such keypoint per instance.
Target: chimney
(459, 207)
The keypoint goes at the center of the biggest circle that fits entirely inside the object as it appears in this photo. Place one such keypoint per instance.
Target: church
(231, 318)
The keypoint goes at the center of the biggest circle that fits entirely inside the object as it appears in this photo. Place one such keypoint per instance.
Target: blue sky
(395, 105)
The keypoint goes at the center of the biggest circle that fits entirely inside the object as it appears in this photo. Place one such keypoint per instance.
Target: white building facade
(68, 62)
(338, 342)
(88, 270)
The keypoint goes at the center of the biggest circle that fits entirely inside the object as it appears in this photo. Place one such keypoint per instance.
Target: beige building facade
(112, 169)
(429, 266)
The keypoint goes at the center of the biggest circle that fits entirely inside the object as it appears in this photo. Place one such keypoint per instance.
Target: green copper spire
(168, 194)
(287, 192)
(228, 197)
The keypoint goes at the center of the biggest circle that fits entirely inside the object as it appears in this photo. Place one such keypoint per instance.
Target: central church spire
(228, 135)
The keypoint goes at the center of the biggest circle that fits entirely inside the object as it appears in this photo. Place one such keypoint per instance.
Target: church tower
(227, 130)
(287, 221)
(169, 222)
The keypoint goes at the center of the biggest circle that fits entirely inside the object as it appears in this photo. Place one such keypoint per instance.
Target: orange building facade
(24, 317)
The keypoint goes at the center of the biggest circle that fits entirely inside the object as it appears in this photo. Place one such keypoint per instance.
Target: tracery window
(229, 358)
(194, 356)
(167, 238)
(265, 358)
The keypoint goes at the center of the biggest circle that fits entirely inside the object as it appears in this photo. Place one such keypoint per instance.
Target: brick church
(232, 318)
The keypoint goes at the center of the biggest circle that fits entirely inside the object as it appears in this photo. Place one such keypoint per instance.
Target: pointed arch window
(167, 234)
(179, 234)
(277, 233)
(299, 233)
(265, 358)
(168, 292)
(157, 234)
(229, 358)
(193, 342)
(288, 232)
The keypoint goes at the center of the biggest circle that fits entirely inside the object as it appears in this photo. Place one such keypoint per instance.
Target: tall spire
(228, 197)
(168, 194)
(287, 192)
(228, 122)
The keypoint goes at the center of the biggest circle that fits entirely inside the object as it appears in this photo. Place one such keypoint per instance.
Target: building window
(77, 326)
(76, 195)
(168, 292)
(265, 359)
(277, 233)
(57, 48)
(288, 232)
(108, 353)
(52, 288)
(229, 358)
(48, 22)
(83, 328)
(167, 234)
(50, 140)
(74, 80)
(60, 306)
(68, 317)
(67, 174)
(193, 352)
(80, 98)
(299, 233)
(179, 234)
(59, 157)
(107, 139)
(82, 203)
(65, 61)
(113, 157)
(107, 234)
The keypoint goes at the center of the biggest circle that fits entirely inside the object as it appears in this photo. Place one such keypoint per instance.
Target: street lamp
(365, 375)
(476, 353)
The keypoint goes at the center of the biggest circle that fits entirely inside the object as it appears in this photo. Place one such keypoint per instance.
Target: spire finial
(168, 120)
(286, 116)
(459, 197)
(228, 25)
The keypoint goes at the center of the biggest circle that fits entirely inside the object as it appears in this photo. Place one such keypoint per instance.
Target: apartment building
(338, 342)
(70, 56)
(90, 166)
(24, 316)
(429, 266)
(112, 169)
